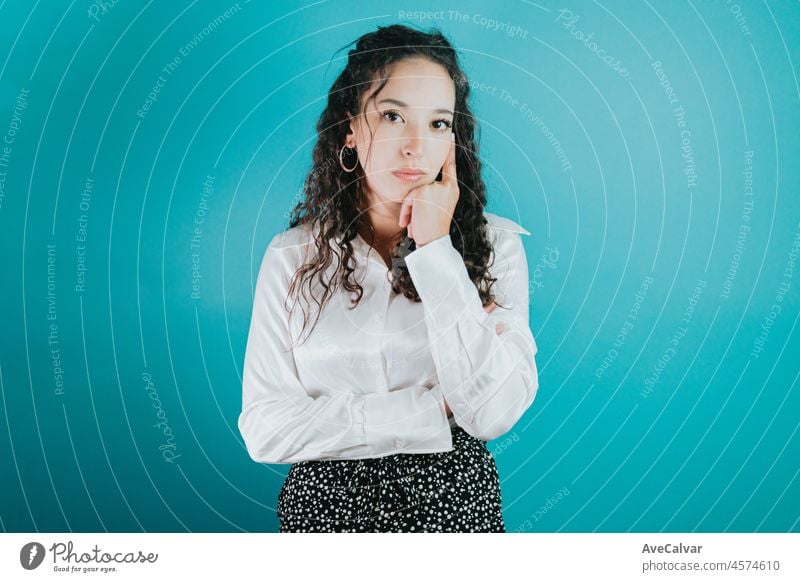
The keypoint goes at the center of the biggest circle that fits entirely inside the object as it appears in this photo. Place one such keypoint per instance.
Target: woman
(385, 409)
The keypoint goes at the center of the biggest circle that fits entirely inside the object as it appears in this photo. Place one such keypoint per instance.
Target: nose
(412, 144)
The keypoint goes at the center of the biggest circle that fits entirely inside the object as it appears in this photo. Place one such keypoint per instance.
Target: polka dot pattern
(454, 491)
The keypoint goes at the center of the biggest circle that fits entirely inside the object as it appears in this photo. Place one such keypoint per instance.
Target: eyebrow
(401, 104)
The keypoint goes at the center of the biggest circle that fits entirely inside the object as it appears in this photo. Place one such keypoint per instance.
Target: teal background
(706, 442)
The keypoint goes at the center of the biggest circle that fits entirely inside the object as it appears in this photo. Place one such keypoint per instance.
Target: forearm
(346, 426)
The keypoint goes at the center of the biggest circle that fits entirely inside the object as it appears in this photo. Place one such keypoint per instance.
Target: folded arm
(281, 423)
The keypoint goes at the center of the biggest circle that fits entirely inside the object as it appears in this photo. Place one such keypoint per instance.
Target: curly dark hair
(333, 197)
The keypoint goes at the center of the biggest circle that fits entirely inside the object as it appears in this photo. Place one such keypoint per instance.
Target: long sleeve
(281, 423)
(488, 380)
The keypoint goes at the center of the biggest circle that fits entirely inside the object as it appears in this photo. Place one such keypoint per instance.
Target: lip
(408, 175)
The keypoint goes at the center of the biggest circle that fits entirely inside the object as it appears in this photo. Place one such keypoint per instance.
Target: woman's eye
(447, 124)
(386, 113)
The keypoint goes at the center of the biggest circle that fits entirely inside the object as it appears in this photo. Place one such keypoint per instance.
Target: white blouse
(371, 381)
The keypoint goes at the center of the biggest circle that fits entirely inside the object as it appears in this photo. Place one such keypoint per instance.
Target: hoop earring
(341, 163)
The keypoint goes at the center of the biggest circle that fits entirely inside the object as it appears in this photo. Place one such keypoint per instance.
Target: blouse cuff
(442, 282)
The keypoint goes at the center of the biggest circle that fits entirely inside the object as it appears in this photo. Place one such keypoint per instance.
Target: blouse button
(398, 444)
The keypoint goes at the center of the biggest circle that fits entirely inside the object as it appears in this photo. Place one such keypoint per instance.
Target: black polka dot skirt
(454, 491)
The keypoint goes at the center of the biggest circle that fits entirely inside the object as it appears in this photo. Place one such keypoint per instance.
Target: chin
(394, 192)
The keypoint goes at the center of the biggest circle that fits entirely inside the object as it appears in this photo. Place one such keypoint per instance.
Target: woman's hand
(428, 209)
(488, 309)
(498, 329)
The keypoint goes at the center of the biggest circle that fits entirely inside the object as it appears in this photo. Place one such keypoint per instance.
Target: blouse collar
(494, 222)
